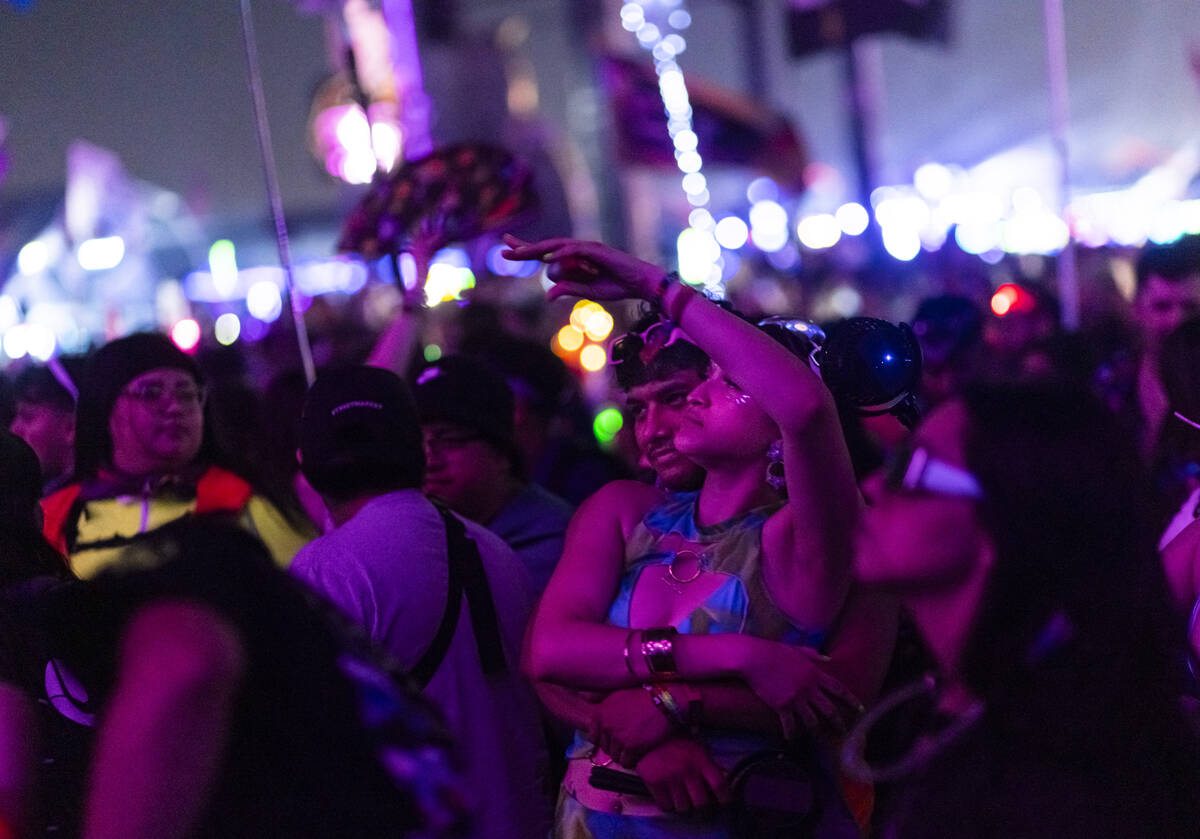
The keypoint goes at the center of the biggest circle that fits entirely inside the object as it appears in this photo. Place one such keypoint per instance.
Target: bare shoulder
(626, 501)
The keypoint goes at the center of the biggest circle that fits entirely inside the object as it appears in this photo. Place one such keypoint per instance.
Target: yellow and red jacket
(90, 528)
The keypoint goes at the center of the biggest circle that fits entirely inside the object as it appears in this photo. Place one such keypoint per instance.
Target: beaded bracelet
(658, 651)
(664, 701)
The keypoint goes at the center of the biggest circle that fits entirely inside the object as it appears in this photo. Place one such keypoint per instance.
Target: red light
(1003, 299)
(1010, 297)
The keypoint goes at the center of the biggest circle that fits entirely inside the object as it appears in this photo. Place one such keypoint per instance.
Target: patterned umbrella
(454, 194)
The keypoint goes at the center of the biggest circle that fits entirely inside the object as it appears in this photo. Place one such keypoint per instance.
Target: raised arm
(393, 350)
(809, 547)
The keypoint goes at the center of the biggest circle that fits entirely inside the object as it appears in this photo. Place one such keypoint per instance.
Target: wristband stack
(679, 702)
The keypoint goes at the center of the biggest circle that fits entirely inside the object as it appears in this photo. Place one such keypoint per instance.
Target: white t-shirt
(387, 569)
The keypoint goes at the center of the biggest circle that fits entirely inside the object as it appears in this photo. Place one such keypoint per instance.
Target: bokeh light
(186, 334)
(33, 258)
(607, 425)
(570, 338)
(593, 358)
(819, 231)
(768, 226)
(853, 218)
(227, 328)
(732, 233)
(598, 325)
(101, 254)
(263, 301)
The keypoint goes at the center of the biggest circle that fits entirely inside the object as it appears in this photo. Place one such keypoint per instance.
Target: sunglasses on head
(913, 469)
(644, 345)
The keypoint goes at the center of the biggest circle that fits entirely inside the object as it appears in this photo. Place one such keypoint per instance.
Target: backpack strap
(466, 576)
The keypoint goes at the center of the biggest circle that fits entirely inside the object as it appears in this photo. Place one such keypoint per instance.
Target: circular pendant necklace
(680, 564)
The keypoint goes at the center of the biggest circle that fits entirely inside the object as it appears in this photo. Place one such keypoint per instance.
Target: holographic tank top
(741, 604)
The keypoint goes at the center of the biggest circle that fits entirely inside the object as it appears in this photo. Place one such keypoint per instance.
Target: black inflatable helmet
(872, 365)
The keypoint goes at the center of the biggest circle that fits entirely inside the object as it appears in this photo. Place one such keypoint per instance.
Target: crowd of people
(406, 602)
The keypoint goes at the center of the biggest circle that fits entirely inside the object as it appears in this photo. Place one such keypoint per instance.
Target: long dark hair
(24, 552)
(1176, 458)
(1074, 643)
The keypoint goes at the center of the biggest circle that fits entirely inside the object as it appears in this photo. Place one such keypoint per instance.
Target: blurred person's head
(950, 331)
(1168, 289)
(657, 367)
(1013, 528)
(45, 414)
(467, 421)
(24, 553)
(540, 383)
(1179, 370)
(1177, 449)
(141, 408)
(1034, 316)
(359, 436)
(1065, 357)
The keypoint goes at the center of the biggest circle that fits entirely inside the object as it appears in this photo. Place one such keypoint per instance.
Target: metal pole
(590, 116)
(1060, 117)
(410, 89)
(757, 80)
(273, 194)
(863, 92)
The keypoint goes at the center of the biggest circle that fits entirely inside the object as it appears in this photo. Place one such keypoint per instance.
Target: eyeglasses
(160, 397)
(451, 442)
(912, 469)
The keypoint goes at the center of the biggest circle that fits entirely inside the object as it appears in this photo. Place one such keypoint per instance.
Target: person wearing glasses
(144, 457)
(473, 463)
(655, 594)
(1011, 527)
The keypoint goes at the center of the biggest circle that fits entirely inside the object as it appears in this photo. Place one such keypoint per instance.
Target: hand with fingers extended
(792, 681)
(682, 777)
(590, 269)
(626, 725)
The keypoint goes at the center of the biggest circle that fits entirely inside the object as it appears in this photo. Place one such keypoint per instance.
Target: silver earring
(775, 476)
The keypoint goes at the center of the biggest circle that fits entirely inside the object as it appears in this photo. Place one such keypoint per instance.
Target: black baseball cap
(359, 432)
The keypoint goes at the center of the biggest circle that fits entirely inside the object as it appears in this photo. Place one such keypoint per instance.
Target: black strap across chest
(467, 576)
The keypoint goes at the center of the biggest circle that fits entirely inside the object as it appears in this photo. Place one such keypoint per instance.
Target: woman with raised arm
(668, 592)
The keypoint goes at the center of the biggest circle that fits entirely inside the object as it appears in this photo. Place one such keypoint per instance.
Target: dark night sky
(162, 83)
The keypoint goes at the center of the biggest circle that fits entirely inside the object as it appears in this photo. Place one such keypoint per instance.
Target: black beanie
(108, 371)
(469, 393)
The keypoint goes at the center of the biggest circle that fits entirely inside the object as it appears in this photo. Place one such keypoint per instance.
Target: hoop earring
(775, 477)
